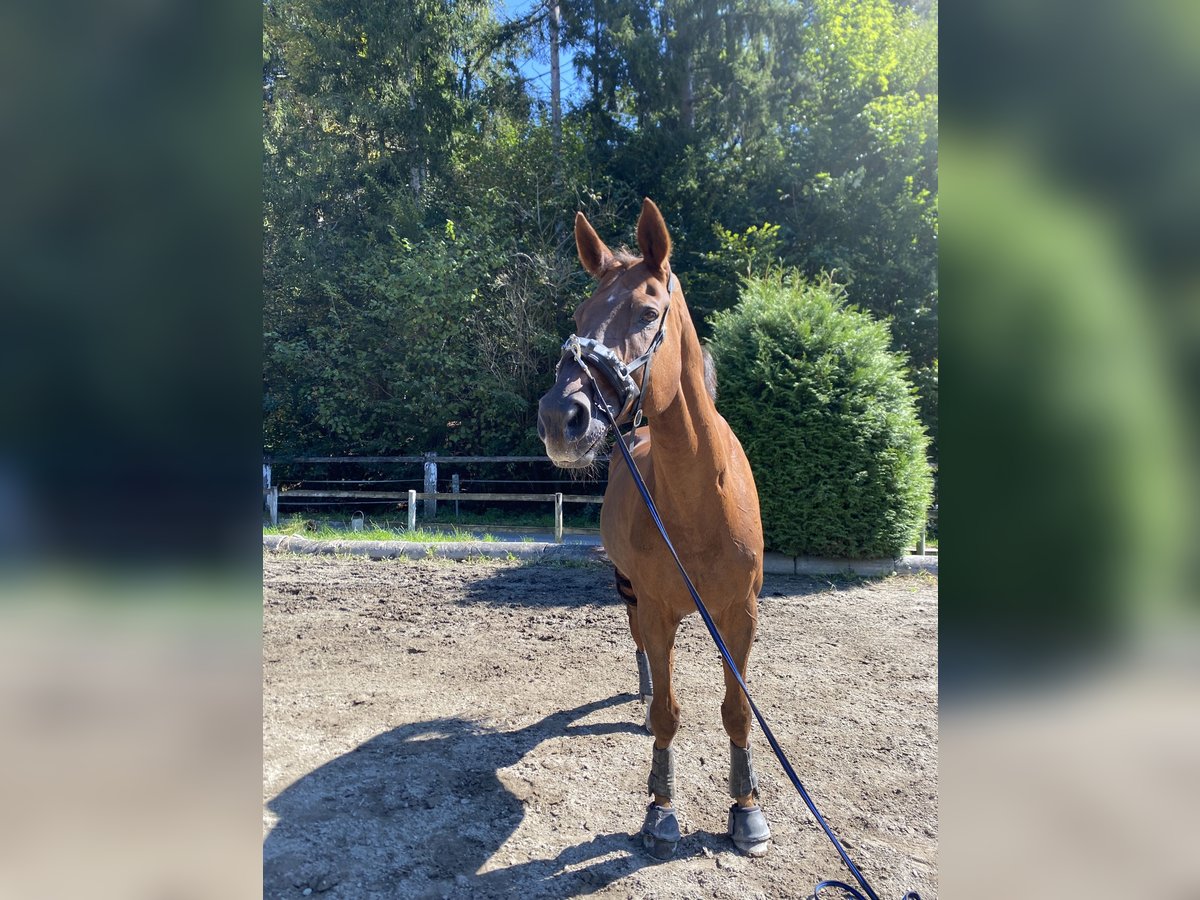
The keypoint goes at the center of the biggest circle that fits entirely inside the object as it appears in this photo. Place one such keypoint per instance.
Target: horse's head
(621, 335)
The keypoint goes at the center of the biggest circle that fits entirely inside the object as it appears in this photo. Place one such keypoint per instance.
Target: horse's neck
(690, 439)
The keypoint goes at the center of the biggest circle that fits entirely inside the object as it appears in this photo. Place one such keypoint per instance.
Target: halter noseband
(618, 373)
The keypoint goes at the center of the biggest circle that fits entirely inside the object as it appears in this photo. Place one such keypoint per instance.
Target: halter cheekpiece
(620, 374)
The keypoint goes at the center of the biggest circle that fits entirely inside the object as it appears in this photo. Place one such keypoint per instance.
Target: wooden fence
(429, 497)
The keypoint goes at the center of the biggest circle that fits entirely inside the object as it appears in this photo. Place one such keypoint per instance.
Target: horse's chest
(703, 539)
(717, 537)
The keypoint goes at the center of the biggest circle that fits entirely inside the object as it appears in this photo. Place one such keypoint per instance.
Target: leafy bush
(827, 419)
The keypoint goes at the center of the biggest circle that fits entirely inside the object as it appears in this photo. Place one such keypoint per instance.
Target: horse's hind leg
(747, 824)
(645, 680)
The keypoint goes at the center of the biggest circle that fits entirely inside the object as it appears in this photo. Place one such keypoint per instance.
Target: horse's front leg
(660, 831)
(747, 824)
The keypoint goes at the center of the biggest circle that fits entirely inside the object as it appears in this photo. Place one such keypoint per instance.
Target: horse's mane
(710, 374)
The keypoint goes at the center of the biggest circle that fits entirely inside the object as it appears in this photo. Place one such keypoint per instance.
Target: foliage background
(826, 417)
(419, 268)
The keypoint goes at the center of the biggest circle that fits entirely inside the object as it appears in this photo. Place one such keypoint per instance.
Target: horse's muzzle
(568, 429)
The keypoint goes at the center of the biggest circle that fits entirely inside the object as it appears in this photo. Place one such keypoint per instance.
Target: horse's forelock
(621, 258)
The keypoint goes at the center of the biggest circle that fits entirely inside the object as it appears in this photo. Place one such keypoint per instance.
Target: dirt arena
(469, 729)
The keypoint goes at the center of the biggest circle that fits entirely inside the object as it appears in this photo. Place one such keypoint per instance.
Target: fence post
(558, 519)
(429, 510)
(921, 541)
(412, 510)
(454, 490)
(273, 504)
(266, 477)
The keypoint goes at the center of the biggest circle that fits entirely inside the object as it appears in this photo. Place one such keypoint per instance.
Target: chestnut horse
(636, 338)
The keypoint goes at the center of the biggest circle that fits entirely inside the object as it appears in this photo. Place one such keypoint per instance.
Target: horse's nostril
(563, 419)
(577, 422)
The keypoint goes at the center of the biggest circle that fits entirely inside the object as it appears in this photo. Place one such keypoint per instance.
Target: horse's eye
(650, 315)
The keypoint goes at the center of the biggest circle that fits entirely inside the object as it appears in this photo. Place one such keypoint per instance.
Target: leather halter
(619, 373)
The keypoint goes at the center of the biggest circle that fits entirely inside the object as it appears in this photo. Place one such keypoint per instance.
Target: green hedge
(827, 419)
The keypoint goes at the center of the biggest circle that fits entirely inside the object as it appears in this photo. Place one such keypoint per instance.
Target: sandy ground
(469, 729)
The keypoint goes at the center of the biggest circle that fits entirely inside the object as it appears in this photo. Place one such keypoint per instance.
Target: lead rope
(716, 636)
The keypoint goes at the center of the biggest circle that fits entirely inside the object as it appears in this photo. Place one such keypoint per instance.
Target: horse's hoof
(749, 830)
(658, 848)
(660, 831)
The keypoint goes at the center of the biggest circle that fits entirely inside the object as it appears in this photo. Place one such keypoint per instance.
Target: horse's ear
(593, 252)
(653, 239)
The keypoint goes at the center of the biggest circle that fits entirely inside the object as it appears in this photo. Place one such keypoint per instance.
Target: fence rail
(430, 496)
(439, 495)
(286, 460)
(274, 495)
(429, 482)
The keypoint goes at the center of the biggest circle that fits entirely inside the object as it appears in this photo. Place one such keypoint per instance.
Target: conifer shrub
(826, 416)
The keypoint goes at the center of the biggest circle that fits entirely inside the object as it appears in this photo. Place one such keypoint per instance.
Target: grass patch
(326, 530)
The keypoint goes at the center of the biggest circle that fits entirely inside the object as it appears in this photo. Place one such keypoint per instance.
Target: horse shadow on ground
(541, 584)
(416, 811)
(544, 584)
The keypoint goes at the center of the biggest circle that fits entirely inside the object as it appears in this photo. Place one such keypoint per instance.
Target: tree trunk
(687, 103)
(595, 54)
(555, 98)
